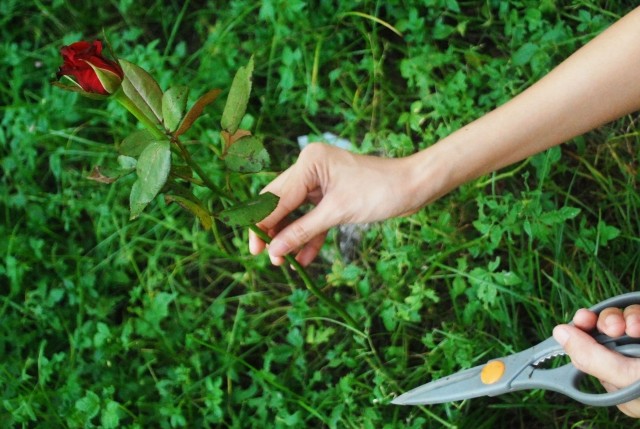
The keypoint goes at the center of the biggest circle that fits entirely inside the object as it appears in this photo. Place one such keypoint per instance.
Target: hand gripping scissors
(521, 371)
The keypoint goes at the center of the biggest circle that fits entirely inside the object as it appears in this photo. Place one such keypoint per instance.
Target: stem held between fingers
(309, 283)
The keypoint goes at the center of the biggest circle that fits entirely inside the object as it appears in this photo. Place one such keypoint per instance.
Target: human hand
(614, 370)
(344, 187)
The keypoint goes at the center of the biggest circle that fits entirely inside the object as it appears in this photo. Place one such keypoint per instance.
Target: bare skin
(613, 369)
(597, 84)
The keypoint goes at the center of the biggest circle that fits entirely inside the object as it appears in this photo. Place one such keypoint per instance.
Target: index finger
(257, 244)
(593, 358)
(292, 187)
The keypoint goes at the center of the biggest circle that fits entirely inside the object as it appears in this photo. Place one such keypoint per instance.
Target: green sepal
(110, 81)
(77, 88)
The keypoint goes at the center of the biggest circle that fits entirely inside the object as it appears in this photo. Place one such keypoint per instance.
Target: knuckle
(314, 151)
(581, 362)
(632, 309)
(300, 233)
(580, 353)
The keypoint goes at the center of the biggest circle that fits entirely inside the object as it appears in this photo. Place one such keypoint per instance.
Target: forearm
(597, 84)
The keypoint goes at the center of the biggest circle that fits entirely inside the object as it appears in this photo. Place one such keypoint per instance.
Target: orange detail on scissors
(492, 372)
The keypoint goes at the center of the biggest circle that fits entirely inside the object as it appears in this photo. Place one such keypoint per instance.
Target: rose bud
(85, 65)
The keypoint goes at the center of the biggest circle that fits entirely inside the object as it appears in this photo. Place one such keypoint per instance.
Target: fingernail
(274, 260)
(612, 321)
(278, 248)
(608, 321)
(633, 320)
(561, 334)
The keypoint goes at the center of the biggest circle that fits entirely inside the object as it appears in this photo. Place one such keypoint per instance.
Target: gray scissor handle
(619, 301)
(623, 300)
(566, 380)
(623, 395)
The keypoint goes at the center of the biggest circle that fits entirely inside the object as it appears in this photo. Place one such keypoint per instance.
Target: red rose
(84, 62)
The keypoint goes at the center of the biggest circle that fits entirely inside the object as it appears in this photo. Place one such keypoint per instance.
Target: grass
(157, 323)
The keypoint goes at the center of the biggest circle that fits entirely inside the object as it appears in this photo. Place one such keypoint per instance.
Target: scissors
(521, 371)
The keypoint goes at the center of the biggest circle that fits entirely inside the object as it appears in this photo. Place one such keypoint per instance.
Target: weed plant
(106, 322)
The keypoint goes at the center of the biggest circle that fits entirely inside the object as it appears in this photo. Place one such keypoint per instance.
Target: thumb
(593, 358)
(301, 231)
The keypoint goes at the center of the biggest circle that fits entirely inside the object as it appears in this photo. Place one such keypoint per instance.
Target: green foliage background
(154, 323)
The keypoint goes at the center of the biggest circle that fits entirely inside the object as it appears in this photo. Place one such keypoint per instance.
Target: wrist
(428, 175)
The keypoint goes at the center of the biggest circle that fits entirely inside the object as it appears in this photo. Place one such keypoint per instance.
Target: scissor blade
(452, 388)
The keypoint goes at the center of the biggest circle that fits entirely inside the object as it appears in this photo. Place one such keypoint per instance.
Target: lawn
(159, 322)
